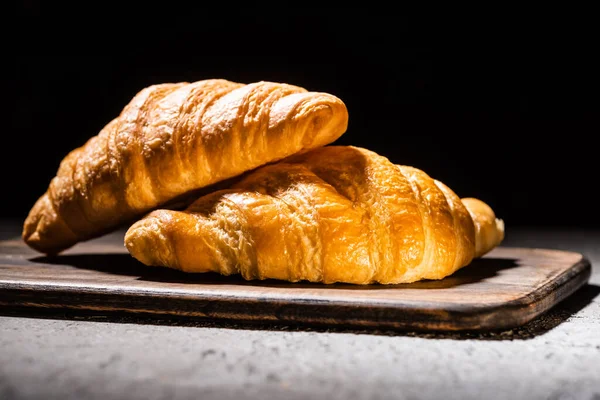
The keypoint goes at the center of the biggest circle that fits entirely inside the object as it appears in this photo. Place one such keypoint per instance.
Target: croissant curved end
(322, 117)
(147, 240)
(328, 121)
(489, 230)
(43, 228)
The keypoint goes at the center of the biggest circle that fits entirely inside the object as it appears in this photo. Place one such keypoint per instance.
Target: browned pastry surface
(334, 214)
(172, 139)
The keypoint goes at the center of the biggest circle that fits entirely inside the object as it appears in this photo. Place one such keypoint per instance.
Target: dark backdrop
(502, 108)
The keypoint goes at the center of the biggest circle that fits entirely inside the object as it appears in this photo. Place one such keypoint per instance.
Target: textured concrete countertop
(556, 356)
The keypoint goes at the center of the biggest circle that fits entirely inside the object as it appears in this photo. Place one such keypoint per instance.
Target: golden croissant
(334, 214)
(170, 140)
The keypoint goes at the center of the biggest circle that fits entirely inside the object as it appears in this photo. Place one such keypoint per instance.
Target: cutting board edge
(488, 317)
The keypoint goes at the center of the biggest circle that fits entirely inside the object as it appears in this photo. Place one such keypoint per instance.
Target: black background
(500, 107)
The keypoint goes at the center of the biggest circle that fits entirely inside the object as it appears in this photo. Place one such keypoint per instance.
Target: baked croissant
(334, 214)
(173, 139)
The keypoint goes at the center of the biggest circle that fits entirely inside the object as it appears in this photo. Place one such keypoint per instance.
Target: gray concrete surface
(555, 357)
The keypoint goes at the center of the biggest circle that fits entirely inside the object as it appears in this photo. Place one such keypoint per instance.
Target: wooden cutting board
(505, 289)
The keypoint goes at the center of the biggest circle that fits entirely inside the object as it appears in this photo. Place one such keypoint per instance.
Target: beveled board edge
(311, 311)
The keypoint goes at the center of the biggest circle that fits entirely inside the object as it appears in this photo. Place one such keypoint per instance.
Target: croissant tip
(501, 229)
(147, 239)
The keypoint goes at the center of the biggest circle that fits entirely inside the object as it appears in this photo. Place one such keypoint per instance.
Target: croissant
(170, 140)
(334, 214)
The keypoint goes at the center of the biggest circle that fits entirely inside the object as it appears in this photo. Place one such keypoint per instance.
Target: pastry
(333, 214)
(171, 140)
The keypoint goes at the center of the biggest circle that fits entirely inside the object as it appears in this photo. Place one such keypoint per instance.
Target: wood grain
(507, 288)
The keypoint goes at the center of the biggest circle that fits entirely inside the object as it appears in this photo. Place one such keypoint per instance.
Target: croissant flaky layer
(334, 214)
(172, 139)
